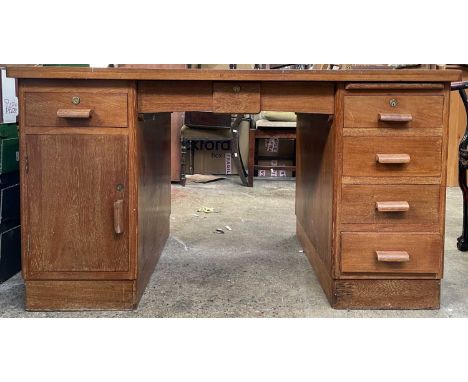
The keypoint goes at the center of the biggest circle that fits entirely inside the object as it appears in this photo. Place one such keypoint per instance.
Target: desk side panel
(154, 192)
(315, 192)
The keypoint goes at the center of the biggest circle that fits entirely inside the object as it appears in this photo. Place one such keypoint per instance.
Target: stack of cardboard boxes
(10, 247)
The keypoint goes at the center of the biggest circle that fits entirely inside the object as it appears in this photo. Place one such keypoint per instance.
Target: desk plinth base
(59, 295)
(371, 294)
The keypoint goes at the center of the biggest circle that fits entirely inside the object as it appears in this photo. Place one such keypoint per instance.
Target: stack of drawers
(393, 185)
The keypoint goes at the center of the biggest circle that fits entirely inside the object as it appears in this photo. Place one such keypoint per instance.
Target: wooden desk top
(404, 75)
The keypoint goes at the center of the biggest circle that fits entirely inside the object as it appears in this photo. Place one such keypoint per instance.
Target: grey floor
(255, 270)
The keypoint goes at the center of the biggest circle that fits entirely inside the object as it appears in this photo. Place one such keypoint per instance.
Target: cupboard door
(77, 204)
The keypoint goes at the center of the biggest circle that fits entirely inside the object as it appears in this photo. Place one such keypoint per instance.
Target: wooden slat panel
(400, 132)
(390, 180)
(169, 96)
(394, 86)
(298, 97)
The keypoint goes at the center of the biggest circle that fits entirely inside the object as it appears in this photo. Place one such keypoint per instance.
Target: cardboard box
(9, 197)
(274, 173)
(275, 148)
(10, 250)
(8, 97)
(213, 158)
(9, 155)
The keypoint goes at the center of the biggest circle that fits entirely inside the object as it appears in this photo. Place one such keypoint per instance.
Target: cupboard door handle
(392, 158)
(392, 206)
(384, 117)
(393, 256)
(74, 113)
(119, 216)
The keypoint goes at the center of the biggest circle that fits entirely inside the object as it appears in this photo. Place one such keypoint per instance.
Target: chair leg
(251, 161)
(183, 161)
(236, 156)
(462, 241)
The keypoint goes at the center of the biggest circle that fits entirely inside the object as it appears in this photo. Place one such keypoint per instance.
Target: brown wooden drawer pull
(392, 158)
(119, 216)
(74, 113)
(384, 117)
(393, 256)
(392, 206)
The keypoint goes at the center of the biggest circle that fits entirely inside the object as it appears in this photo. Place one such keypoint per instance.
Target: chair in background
(207, 126)
(276, 125)
(462, 241)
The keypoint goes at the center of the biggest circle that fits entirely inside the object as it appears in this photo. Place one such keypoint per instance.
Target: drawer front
(390, 204)
(367, 252)
(393, 111)
(392, 156)
(75, 109)
(236, 97)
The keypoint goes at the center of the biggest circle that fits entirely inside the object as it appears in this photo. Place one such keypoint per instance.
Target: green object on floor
(9, 155)
(8, 130)
(10, 250)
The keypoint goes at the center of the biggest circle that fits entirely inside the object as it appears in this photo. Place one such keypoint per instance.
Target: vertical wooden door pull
(119, 216)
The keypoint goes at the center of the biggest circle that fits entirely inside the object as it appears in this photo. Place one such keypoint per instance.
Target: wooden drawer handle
(383, 117)
(119, 216)
(74, 113)
(393, 256)
(392, 206)
(392, 158)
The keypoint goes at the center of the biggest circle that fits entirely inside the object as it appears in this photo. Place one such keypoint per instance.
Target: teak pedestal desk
(95, 177)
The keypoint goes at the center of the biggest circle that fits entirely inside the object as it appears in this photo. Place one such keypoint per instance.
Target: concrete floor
(255, 270)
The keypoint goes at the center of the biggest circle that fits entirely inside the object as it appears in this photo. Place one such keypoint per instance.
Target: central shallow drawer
(392, 156)
(360, 252)
(390, 204)
(370, 111)
(75, 109)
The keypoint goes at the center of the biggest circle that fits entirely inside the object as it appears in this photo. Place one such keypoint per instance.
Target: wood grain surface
(365, 110)
(358, 252)
(314, 182)
(387, 294)
(359, 204)
(405, 75)
(71, 212)
(154, 192)
(359, 156)
(107, 110)
(68, 295)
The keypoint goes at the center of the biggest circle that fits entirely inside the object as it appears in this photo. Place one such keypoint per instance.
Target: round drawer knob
(236, 89)
(393, 102)
(75, 100)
